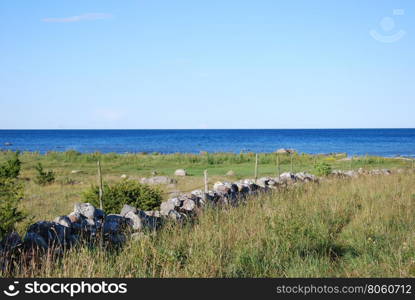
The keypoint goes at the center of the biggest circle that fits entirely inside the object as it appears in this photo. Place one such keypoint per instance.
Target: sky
(107, 64)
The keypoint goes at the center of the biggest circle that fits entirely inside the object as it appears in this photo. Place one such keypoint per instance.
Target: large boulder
(180, 172)
(85, 209)
(47, 233)
(189, 205)
(115, 224)
(286, 151)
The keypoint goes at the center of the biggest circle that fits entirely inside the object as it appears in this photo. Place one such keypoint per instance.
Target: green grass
(349, 228)
(47, 202)
(359, 227)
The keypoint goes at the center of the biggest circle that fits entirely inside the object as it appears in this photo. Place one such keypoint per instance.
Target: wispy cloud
(83, 17)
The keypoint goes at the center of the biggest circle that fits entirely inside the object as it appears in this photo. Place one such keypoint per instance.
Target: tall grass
(349, 228)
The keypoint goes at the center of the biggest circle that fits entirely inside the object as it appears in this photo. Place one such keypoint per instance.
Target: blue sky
(207, 64)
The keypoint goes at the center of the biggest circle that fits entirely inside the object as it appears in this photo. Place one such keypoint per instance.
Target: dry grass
(350, 228)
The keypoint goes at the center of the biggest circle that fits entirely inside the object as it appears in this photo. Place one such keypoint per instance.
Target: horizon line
(322, 128)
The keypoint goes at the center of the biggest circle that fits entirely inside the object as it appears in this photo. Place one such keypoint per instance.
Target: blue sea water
(384, 142)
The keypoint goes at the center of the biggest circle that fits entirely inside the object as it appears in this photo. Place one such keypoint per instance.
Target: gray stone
(85, 209)
(287, 177)
(153, 213)
(33, 240)
(180, 172)
(189, 205)
(176, 216)
(135, 221)
(126, 209)
(114, 224)
(64, 221)
(10, 242)
(286, 151)
(166, 207)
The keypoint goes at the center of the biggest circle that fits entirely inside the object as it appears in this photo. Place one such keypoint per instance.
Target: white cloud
(83, 17)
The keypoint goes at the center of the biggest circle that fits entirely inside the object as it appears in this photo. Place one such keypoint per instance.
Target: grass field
(47, 202)
(349, 228)
(359, 227)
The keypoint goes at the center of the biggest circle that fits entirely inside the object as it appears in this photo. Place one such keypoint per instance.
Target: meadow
(360, 227)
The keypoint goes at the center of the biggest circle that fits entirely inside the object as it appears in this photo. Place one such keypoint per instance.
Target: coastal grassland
(361, 227)
(47, 202)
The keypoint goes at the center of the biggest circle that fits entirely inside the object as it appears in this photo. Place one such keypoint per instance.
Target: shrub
(11, 168)
(44, 177)
(322, 169)
(129, 192)
(11, 194)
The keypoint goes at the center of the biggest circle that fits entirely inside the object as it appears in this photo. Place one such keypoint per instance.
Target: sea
(382, 142)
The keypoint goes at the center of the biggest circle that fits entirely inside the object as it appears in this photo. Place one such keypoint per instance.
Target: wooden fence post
(292, 167)
(278, 165)
(256, 167)
(100, 195)
(206, 182)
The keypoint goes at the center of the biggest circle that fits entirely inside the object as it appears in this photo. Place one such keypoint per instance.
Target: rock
(176, 216)
(306, 177)
(74, 217)
(153, 213)
(64, 221)
(221, 187)
(114, 224)
(124, 176)
(351, 173)
(171, 204)
(10, 242)
(53, 234)
(263, 182)
(287, 177)
(386, 171)
(158, 180)
(230, 173)
(85, 209)
(286, 151)
(126, 209)
(197, 193)
(180, 172)
(33, 240)
(135, 221)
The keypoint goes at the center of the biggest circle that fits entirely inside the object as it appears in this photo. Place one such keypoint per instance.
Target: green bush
(11, 168)
(11, 193)
(44, 177)
(129, 192)
(322, 169)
